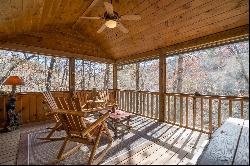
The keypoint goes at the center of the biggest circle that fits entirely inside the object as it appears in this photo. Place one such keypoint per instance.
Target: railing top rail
(209, 96)
(222, 97)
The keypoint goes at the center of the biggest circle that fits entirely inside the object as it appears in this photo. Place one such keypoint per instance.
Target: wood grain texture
(166, 26)
(242, 153)
(222, 146)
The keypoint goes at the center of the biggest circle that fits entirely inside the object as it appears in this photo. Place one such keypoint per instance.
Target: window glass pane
(149, 76)
(38, 72)
(91, 75)
(222, 70)
(126, 76)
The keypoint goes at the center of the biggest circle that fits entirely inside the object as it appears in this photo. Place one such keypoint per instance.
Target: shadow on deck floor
(148, 142)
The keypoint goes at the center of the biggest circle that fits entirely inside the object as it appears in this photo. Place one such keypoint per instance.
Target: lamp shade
(13, 80)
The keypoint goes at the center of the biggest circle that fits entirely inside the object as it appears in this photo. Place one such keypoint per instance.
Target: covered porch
(179, 68)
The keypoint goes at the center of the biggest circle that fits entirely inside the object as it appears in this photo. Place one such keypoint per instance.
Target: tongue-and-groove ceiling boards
(55, 27)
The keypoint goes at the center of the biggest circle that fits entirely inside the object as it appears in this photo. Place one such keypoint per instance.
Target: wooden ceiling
(54, 26)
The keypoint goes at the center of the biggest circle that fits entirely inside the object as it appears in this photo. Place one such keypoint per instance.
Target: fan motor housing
(111, 17)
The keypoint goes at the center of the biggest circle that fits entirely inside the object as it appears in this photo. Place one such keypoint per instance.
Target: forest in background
(222, 70)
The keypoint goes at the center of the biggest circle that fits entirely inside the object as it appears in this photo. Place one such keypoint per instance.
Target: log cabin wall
(29, 105)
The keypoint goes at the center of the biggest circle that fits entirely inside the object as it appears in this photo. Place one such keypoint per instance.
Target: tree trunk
(239, 59)
(65, 74)
(90, 71)
(178, 82)
(106, 77)
(48, 82)
(27, 58)
(82, 77)
(137, 76)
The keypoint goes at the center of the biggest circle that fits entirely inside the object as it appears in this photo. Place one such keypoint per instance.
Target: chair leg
(55, 128)
(91, 158)
(104, 127)
(103, 153)
(61, 155)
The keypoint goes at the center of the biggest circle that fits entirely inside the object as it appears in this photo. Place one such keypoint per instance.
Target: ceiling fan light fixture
(111, 23)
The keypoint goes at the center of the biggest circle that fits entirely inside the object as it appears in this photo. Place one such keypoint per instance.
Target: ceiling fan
(112, 19)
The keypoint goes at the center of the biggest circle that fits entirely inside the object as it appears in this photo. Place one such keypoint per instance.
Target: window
(222, 70)
(39, 72)
(91, 75)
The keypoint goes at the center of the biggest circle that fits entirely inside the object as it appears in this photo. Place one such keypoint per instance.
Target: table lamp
(14, 81)
(13, 118)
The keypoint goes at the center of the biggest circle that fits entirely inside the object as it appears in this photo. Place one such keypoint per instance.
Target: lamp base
(13, 118)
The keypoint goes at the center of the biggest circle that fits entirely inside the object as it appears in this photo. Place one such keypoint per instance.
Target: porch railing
(198, 112)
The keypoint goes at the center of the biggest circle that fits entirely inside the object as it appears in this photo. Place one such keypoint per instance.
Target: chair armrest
(96, 123)
(71, 112)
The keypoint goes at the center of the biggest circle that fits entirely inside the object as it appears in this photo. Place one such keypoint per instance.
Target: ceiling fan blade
(94, 18)
(131, 17)
(109, 8)
(122, 28)
(102, 28)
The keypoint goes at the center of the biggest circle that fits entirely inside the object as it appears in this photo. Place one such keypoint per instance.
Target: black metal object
(13, 118)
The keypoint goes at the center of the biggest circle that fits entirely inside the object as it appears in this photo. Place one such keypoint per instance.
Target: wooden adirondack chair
(79, 130)
(50, 102)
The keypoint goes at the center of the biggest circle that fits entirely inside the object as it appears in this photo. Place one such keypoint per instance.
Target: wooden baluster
(174, 109)
(152, 105)
(148, 112)
(241, 109)
(124, 100)
(210, 115)
(187, 111)
(118, 97)
(137, 102)
(219, 112)
(194, 112)
(157, 107)
(127, 101)
(181, 110)
(230, 108)
(132, 101)
(140, 102)
(169, 109)
(202, 114)
(143, 104)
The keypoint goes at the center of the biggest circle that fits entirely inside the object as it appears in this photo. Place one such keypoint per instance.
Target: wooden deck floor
(165, 144)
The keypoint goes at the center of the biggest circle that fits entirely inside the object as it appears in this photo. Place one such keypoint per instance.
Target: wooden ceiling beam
(220, 38)
(50, 52)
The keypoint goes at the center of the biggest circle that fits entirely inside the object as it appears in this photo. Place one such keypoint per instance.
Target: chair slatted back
(83, 96)
(50, 100)
(75, 124)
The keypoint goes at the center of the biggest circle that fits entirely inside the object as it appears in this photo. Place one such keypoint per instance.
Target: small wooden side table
(117, 118)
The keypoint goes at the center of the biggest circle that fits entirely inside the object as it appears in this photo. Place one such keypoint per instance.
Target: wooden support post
(115, 81)
(71, 75)
(162, 88)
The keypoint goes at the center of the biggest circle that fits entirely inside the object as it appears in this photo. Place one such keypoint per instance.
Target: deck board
(165, 143)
